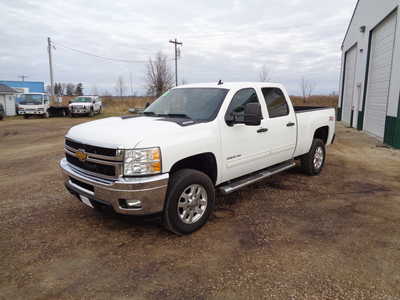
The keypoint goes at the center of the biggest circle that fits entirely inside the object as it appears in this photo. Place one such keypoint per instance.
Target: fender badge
(81, 155)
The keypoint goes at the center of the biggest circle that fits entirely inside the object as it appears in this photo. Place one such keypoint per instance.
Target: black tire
(180, 182)
(307, 160)
(91, 114)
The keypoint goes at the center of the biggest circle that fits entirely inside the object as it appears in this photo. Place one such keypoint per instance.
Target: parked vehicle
(191, 142)
(38, 104)
(2, 112)
(85, 105)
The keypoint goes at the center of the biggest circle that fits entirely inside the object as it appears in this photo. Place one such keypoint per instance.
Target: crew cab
(85, 105)
(191, 143)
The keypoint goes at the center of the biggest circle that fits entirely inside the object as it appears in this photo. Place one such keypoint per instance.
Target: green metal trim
(339, 114)
(392, 132)
(360, 120)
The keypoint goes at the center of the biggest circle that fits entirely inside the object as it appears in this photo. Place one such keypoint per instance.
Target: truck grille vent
(108, 170)
(91, 149)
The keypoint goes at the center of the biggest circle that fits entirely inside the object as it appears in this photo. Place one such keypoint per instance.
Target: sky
(227, 40)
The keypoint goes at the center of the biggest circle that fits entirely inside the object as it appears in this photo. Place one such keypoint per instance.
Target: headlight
(142, 162)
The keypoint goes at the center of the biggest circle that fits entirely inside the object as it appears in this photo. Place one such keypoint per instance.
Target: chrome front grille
(102, 162)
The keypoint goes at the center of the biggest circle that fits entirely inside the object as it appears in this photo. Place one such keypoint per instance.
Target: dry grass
(121, 105)
(118, 105)
(329, 101)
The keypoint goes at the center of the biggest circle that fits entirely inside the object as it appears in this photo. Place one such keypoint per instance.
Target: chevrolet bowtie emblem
(81, 155)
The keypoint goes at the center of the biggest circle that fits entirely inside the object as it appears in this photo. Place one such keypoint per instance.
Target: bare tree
(120, 87)
(159, 78)
(307, 87)
(264, 74)
(94, 90)
(63, 88)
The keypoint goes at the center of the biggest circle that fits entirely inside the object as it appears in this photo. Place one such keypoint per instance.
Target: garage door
(379, 73)
(349, 80)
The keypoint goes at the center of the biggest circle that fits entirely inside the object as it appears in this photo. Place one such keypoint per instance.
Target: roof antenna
(220, 82)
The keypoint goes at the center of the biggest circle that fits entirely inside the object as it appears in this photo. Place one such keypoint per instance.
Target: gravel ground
(334, 236)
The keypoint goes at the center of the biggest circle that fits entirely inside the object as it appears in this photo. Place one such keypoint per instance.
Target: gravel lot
(335, 236)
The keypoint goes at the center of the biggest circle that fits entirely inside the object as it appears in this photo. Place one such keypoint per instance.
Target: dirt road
(335, 236)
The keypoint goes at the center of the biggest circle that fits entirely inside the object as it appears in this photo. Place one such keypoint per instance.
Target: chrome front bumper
(150, 191)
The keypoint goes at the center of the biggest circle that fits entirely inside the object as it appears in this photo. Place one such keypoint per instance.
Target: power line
(101, 57)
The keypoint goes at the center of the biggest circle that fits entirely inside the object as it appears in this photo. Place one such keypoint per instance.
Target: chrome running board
(235, 185)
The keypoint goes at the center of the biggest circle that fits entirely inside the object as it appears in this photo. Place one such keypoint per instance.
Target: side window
(276, 102)
(240, 99)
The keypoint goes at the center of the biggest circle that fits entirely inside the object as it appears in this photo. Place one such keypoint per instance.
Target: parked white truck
(193, 141)
(85, 105)
(39, 104)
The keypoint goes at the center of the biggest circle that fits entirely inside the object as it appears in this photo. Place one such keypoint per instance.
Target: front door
(243, 146)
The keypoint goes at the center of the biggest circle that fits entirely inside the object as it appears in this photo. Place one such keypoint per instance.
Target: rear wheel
(313, 162)
(190, 201)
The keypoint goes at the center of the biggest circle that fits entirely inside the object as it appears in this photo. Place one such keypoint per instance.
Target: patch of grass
(116, 105)
(329, 101)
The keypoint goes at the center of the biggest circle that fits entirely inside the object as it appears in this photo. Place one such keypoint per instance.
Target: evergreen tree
(70, 89)
(79, 89)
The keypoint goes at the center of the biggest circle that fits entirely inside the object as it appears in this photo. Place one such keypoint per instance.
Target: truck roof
(231, 85)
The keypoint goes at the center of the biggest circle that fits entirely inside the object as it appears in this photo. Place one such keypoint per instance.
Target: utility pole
(51, 70)
(23, 77)
(130, 83)
(176, 43)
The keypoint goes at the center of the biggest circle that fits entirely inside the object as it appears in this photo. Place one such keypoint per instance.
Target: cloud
(227, 40)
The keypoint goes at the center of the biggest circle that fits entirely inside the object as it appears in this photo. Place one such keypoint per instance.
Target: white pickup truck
(85, 105)
(193, 141)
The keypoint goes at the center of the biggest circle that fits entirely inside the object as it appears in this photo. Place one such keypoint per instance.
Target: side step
(254, 177)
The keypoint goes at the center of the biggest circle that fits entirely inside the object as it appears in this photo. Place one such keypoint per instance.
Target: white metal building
(370, 75)
(7, 98)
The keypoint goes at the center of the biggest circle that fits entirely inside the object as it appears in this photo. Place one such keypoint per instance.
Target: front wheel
(313, 162)
(190, 201)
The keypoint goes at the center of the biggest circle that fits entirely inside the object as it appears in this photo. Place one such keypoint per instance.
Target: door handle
(290, 124)
(261, 130)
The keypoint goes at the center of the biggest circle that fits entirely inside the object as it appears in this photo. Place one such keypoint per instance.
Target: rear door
(243, 146)
(281, 124)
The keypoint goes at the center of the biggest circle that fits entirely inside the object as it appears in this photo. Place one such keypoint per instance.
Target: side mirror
(252, 114)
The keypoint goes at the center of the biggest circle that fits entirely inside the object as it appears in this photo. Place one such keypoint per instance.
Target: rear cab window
(276, 102)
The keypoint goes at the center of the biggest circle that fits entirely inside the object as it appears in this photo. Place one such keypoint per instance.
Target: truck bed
(301, 109)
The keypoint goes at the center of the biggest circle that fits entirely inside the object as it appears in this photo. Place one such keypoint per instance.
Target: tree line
(67, 89)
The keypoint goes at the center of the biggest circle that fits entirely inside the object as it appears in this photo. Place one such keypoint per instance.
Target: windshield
(81, 99)
(33, 99)
(199, 104)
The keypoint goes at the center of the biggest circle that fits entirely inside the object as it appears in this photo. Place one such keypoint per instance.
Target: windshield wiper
(150, 113)
(176, 116)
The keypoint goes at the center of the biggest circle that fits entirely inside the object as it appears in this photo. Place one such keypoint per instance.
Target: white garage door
(380, 69)
(348, 87)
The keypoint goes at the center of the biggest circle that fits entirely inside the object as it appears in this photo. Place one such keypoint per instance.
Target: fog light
(130, 203)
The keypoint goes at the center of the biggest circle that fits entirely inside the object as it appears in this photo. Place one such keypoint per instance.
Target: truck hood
(127, 133)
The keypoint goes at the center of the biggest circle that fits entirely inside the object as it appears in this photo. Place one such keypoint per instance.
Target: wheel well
(322, 133)
(204, 162)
